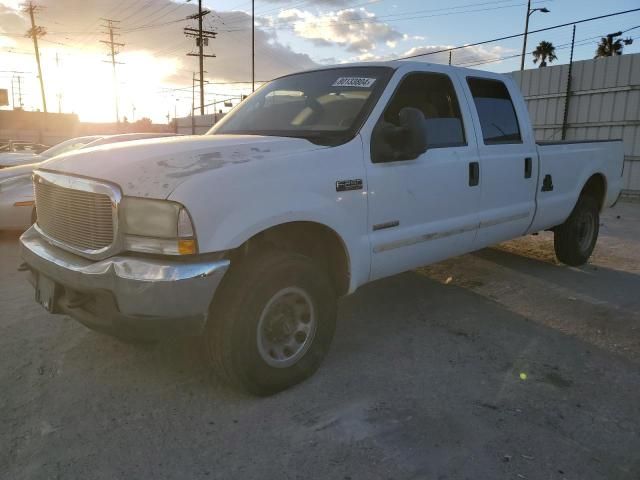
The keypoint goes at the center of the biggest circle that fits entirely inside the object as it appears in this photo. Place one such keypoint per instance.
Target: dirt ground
(500, 364)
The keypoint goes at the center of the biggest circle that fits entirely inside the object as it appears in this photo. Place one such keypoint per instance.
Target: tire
(576, 238)
(272, 322)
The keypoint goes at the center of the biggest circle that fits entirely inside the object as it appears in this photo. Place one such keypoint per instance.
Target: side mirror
(404, 142)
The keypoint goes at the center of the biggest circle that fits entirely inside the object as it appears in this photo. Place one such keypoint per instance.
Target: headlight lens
(157, 226)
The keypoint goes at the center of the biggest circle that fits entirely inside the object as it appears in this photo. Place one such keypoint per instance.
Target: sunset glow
(157, 65)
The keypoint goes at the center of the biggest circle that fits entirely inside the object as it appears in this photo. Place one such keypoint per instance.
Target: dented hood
(154, 168)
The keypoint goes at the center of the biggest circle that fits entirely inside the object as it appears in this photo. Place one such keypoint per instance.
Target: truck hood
(154, 168)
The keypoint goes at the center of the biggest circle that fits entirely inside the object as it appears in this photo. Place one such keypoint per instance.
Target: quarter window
(498, 118)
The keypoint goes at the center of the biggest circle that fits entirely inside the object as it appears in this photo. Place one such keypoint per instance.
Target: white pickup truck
(318, 183)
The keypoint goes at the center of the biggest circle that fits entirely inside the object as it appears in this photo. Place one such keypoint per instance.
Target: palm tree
(543, 52)
(609, 47)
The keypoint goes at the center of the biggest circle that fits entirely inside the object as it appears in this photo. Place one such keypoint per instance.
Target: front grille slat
(77, 218)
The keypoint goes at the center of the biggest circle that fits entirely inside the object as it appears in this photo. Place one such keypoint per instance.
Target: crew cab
(318, 183)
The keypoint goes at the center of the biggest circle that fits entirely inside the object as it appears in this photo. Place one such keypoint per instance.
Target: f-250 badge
(345, 185)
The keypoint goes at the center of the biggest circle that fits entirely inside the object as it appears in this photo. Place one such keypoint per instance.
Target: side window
(434, 95)
(497, 114)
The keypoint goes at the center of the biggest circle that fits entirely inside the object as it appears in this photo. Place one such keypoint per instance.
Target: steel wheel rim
(286, 327)
(586, 228)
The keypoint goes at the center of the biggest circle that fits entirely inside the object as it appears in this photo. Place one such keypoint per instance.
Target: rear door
(426, 209)
(508, 158)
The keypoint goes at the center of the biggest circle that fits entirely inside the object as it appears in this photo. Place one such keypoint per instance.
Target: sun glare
(87, 84)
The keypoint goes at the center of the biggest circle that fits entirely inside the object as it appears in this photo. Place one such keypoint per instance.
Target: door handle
(528, 166)
(474, 174)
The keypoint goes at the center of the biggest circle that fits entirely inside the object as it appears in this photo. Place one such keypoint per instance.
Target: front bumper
(127, 295)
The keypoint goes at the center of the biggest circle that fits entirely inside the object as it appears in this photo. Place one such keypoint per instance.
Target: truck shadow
(386, 310)
(616, 287)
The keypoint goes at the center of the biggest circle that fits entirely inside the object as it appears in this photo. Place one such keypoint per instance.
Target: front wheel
(576, 238)
(272, 322)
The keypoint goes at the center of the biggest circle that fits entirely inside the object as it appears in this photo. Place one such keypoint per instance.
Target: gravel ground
(501, 364)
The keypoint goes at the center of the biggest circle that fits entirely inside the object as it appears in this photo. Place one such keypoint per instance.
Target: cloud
(357, 30)
(329, 3)
(462, 57)
(154, 56)
(75, 25)
(12, 22)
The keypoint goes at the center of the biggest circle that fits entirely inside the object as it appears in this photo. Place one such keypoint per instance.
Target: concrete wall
(604, 104)
(52, 128)
(48, 129)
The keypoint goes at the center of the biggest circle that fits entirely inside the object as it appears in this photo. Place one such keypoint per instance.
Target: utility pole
(450, 54)
(110, 26)
(200, 57)
(20, 91)
(13, 95)
(530, 11)
(253, 45)
(193, 104)
(16, 78)
(59, 94)
(565, 118)
(202, 39)
(35, 32)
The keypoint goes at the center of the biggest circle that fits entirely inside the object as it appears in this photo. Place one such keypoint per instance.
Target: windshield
(325, 106)
(67, 146)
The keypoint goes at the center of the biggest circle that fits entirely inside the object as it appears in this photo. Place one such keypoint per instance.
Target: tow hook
(77, 300)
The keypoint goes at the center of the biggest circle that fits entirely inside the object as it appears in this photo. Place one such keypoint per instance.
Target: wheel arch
(313, 239)
(596, 187)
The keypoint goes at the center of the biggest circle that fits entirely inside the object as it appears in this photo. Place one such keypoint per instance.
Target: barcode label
(354, 82)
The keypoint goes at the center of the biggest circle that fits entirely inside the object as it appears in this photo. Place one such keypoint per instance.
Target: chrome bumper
(149, 289)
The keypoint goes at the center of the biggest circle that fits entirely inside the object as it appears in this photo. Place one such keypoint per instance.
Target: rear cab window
(497, 115)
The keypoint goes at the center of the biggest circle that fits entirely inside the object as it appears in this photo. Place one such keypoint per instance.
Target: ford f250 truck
(318, 183)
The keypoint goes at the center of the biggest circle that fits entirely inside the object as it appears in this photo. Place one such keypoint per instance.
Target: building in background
(37, 127)
(52, 128)
(197, 124)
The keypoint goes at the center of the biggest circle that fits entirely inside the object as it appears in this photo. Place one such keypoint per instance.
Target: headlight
(157, 226)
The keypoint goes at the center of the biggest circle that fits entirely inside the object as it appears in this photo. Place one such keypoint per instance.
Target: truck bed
(570, 164)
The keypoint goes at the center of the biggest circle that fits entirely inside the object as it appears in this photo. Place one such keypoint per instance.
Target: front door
(426, 209)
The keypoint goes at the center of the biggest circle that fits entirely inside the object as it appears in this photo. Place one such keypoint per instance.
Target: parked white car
(16, 190)
(16, 197)
(318, 183)
(12, 159)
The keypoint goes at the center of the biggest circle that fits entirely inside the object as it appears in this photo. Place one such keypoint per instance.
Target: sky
(155, 77)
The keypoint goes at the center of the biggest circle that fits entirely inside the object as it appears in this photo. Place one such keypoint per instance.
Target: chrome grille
(77, 218)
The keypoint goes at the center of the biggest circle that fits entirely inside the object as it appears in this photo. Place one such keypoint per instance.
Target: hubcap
(286, 327)
(586, 228)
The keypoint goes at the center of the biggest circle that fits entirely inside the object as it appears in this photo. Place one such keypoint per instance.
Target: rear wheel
(576, 238)
(272, 322)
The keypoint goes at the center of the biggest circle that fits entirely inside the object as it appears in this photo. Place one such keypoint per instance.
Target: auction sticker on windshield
(354, 82)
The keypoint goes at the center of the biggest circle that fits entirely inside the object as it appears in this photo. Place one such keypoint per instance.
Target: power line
(508, 37)
(562, 46)
(409, 15)
(142, 7)
(154, 25)
(169, 12)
